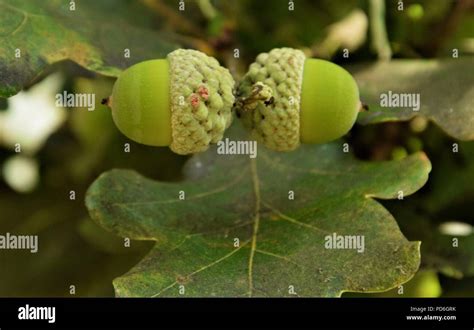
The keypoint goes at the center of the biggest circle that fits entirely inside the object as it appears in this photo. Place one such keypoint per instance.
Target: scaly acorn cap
(183, 101)
(286, 99)
(207, 89)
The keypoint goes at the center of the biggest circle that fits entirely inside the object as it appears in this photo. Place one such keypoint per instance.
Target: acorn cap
(286, 99)
(183, 101)
(269, 98)
(201, 99)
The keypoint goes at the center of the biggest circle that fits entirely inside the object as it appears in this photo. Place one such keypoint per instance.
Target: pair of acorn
(186, 100)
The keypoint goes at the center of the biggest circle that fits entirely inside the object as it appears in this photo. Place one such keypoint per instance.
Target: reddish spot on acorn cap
(204, 92)
(194, 99)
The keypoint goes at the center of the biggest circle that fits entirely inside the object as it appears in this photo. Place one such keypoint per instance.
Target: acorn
(183, 101)
(286, 99)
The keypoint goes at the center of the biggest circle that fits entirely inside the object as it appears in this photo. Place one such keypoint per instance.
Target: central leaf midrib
(256, 223)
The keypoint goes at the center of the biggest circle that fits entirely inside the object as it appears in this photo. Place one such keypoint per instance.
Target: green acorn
(286, 99)
(183, 101)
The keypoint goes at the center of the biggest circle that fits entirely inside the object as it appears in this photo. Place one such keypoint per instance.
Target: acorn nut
(286, 99)
(183, 101)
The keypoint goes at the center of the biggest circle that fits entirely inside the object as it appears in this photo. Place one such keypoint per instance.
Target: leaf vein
(256, 187)
(278, 257)
(194, 197)
(215, 262)
(293, 220)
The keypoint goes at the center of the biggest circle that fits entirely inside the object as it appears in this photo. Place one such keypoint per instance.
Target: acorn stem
(260, 93)
(107, 101)
(363, 107)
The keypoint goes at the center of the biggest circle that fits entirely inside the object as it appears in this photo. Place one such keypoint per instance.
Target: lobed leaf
(281, 241)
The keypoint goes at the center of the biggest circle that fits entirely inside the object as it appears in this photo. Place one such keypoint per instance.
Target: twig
(173, 18)
(207, 9)
(448, 26)
(380, 42)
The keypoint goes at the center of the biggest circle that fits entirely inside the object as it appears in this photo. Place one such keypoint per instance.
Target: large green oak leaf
(234, 229)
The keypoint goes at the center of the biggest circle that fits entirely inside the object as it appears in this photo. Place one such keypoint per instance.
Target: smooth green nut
(286, 99)
(183, 101)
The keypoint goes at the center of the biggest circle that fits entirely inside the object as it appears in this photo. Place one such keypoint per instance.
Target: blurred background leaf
(95, 34)
(425, 284)
(446, 90)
